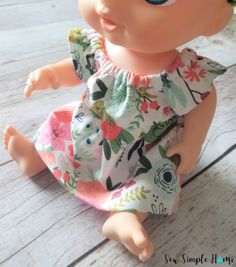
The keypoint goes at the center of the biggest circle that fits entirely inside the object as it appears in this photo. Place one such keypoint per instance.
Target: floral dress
(108, 148)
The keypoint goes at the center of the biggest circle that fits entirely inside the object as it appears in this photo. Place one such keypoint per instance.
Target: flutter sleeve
(81, 45)
(189, 80)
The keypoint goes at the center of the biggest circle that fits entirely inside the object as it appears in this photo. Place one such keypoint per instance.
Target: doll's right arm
(52, 76)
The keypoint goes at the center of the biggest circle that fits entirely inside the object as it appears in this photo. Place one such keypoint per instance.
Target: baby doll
(141, 122)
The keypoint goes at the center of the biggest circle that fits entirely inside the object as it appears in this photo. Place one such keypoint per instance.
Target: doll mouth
(108, 24)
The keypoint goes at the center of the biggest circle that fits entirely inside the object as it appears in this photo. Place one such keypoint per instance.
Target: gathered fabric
(108, 148)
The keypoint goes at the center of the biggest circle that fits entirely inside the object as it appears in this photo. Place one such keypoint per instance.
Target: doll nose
(103, 6)
(103, 1)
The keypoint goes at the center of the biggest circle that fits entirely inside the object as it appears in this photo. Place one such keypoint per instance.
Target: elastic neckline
(109, 66)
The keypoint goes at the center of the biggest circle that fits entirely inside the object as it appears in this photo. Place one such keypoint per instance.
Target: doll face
(155, 26)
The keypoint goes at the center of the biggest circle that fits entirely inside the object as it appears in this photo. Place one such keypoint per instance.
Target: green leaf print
(115, 145)
(158, 130)
(106, 149)
(98, 110)
(146, 166)
(76, 36)
(75, 134)
(138, 194)
(119, 92)
(73, 181)
(173, 92)
(110, 186)
(83, 154)
(121, 95)
(217, 72)
(162, 152)
(103, 89)
(126, 136)
(136, 124)
(143, 92)
(220, 69)
(140, 117)
(44, 149)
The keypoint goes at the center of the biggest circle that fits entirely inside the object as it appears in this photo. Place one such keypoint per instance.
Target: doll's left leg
(127, 228)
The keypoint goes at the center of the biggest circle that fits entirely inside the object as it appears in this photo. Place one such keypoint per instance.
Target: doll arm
(52, 76)
(196, 125)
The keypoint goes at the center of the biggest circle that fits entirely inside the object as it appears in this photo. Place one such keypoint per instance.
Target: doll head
(155, 26)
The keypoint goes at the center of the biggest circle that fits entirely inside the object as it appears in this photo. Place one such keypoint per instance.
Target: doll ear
(219, 21)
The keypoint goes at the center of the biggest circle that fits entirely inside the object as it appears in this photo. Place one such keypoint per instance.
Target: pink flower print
(64, 114)
(177, 63)
(194, 65)
(48, 157)
(57, 173)
(167, 111)
(71, 150)
(54, 134)
(137, 80)
(116, 194)
(193, 74)
(202, 73)
(64, 163)
(130, 183)
(75, 164)
(71, 156)
(66, 177)
(144, 106)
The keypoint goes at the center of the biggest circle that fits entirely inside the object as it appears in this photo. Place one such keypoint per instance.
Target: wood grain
(43, 225)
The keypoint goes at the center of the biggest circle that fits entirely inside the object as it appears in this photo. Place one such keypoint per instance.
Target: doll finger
(31, 78)
(28, 90)
(55, 85)
(188, 169)
(29, 82)
(172, 151)
(181, 170)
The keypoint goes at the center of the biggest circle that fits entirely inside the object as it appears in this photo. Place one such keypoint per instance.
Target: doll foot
(126, 228)
(22, 150)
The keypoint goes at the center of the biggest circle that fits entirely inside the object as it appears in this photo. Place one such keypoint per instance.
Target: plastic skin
(141, 37)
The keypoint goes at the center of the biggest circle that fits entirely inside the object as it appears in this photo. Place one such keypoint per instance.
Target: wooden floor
(43, 225)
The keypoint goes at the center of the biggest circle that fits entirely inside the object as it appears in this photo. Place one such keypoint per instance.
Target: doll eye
(161, 2)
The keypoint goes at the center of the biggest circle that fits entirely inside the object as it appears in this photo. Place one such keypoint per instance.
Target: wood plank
(21, 14)
(42, 224)
(204, 224)
(220, 46)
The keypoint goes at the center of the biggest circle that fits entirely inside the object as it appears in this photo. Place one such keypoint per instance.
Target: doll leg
(126, 227)
(22, 150)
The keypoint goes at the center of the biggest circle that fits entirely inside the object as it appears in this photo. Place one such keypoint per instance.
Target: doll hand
(42, 78)
(189, 154)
